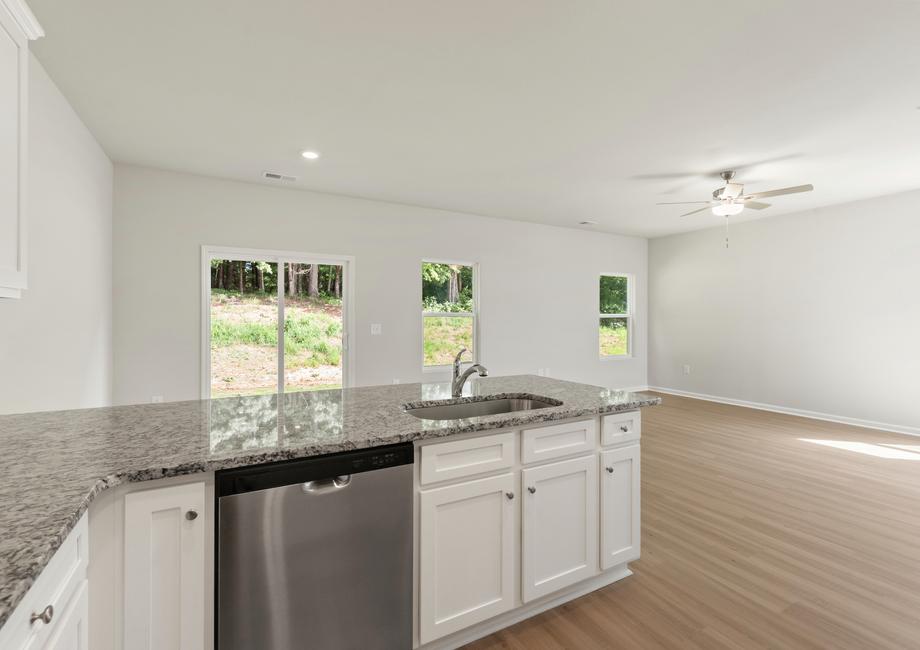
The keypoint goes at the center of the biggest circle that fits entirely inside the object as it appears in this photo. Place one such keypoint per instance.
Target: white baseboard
(634, 389)
(814, 415)
(500, 622)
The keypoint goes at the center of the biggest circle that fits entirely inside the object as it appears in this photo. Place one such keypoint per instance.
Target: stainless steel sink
(456, 409)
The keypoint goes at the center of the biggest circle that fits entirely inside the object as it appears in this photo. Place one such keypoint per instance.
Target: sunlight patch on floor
(870, 449)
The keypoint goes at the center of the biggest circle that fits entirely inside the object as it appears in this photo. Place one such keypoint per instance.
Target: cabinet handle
(45, 616)
(532, 490)
(609, 470)
(191, 515)
(624, 428)
(510, 495)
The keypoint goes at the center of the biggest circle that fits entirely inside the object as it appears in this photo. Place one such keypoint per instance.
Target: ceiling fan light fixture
(727, 209)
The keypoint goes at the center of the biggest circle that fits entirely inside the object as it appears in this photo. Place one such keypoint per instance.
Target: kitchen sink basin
(456, 409)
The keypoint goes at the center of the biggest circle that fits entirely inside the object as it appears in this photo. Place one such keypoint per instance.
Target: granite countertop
(53, 464)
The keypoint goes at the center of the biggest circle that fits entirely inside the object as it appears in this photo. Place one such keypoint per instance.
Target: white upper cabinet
(559, 525)
(17, 27)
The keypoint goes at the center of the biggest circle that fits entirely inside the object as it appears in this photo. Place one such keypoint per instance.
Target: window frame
(629, 316)
(347, 262)
(475, 314)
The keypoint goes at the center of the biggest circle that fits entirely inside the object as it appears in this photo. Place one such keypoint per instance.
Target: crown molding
(24, 17)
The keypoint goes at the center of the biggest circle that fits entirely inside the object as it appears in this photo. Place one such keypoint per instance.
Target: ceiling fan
(730, 200)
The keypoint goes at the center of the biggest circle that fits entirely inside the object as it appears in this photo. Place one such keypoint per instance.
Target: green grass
(614, 341)
(444, 337)
(311, 339)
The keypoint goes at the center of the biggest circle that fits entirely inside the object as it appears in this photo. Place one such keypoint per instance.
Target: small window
(448, 312)
(616, 315)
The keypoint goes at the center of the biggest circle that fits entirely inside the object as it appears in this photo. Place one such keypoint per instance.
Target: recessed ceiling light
(309, 155)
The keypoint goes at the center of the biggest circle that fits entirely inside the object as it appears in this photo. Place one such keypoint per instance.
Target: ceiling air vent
(275, 176)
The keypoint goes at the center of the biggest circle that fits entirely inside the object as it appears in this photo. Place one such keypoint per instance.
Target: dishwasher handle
(327, 485)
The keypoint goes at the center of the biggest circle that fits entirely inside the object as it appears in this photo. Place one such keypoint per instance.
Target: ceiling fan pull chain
(726, 232)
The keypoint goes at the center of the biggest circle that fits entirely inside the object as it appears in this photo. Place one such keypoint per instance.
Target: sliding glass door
(273, 322)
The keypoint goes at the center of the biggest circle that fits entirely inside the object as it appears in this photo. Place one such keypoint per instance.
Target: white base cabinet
(72, 631)
(164, 583)
(53, 613)
(620, 506)
(523, 521)
(559, 525)
(466, 555)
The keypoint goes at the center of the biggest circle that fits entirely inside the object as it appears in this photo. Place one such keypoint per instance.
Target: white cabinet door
(72, 631)
(164, 568)
(620, 506)
(14, 58)
(560, 525)
(466, 546)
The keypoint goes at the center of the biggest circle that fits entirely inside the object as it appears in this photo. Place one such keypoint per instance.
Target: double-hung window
(449, 312)
(616, 314)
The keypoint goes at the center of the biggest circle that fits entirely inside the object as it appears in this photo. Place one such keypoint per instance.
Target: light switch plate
(376, 329)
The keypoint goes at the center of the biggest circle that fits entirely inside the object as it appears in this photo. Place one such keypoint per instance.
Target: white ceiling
(553, 111)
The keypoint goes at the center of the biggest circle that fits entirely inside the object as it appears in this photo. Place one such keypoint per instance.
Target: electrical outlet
(376, 329)
(686, 369)
(156, 399)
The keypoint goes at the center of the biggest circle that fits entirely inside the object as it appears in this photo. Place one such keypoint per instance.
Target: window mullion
(280, 283)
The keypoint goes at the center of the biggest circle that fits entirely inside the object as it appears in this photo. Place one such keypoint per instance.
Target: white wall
(56, 341)
(538, 283)
(818, 311)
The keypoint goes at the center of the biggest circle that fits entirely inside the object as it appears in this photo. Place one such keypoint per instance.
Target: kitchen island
(56, 464)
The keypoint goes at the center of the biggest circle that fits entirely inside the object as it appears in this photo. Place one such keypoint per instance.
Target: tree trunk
(314, 281)
(242, 277)
(261, 276)
(329, 277)
(338, 282)
(453, 287)
(219, 282)
(292, 280)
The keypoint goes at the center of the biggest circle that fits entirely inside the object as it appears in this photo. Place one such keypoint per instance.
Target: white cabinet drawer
(558, 441)
(621, 427)
(56, 586)
(461, 458)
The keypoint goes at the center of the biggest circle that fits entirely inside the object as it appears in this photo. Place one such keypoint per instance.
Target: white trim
(25, 19)
(347, 262)
(500, 622)
(634, 389)
(475, 314)
(814, 415)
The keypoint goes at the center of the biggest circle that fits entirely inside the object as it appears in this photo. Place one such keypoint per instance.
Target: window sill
(615, 357)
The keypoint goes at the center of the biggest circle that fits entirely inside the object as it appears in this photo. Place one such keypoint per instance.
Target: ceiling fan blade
(756, 205)
(695, 211)
(685, 202)
(780, 192)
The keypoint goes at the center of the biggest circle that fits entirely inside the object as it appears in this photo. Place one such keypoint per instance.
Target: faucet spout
(459, 379)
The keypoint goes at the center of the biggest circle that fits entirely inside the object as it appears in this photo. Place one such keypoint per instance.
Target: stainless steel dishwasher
(316, 553)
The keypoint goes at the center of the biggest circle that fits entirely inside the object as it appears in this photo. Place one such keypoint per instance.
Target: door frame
(347, 262)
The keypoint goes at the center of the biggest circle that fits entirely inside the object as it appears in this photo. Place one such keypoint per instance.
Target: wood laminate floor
(760, 530)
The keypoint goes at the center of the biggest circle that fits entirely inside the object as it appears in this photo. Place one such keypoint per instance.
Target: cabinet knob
(609, 470)
(191, 515)
(45, 617)
(532, 490)
(510, 495)
(624, 428)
